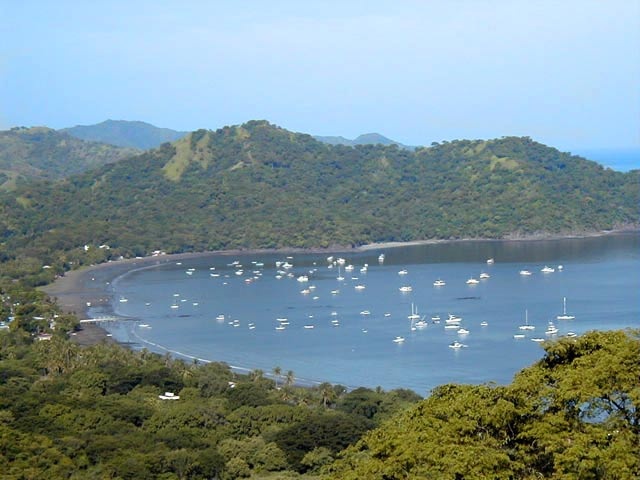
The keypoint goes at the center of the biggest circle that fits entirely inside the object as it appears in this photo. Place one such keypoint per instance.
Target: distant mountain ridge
(364, 139)
(125, 133)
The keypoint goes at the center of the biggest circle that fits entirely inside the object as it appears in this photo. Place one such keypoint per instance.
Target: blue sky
(566, 73)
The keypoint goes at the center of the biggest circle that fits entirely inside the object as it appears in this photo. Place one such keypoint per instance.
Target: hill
(365, 139)
(124, 133)
(260, 186)
(43, 153)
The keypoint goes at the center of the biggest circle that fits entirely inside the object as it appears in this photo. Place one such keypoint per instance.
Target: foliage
(40, 152)
(574, 414)
(259, 186)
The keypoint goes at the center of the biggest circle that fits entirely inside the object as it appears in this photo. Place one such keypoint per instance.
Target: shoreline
(78, 290)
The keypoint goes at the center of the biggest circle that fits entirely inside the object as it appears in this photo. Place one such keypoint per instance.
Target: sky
(564, 72)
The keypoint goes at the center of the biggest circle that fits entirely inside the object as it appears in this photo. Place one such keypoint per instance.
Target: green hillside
(43, 153)
(259, 186)
(125, 133)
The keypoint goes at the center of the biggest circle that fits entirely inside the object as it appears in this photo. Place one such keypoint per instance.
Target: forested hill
(125, 133)
(258, 185)
(41, 152)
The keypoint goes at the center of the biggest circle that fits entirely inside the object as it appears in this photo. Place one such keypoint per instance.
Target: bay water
(252, 314)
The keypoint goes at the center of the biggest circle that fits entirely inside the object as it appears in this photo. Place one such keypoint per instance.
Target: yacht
(525, 272)
(456, 345)
(537, 339)
(453, 319)
(547, 269)
(564, 315)
(463, 331)
(381, 258)
(406, 288)
(435, 319)
(484, 323)
(484, 275)
(439, 283)
(398, 340)
(473, 281)
(359, 287)
(490, 261)
(526, 325)
(414, 313)
(551, 329)
(518, 336)
(403, 272)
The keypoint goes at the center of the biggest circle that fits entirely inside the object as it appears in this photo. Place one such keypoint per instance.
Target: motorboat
(439, 283)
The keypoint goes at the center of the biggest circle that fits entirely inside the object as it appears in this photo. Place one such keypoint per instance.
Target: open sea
(251, 313)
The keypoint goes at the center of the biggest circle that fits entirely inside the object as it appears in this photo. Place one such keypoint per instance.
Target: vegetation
(574, 414)
(44, 153)
(259, 186)
(83, 413)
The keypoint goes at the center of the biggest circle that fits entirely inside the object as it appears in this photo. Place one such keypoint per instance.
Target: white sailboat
(526, 325)
(414, 313)
(564, 315)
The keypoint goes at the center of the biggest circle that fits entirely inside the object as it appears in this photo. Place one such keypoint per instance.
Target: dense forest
(71, 412)
(260, 186)
(43, 153)
(98, 412)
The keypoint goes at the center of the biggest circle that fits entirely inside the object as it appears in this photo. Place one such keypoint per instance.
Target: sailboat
(339, 277)
(564, 315)
(414, 313)
(526, 325)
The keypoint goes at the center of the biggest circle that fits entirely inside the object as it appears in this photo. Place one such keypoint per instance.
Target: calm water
(600, 280)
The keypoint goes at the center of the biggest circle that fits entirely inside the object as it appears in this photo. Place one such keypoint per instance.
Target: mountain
(260, 186)
(43, 153)
(365, 139)
(125, 134)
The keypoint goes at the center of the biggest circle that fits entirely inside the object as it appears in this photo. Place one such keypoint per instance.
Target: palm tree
(327, 393)
(289, 378)
(256, 375)
(277, 371)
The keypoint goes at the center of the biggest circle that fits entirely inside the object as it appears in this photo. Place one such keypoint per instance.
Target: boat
(420, 324)
(220, 318)
(123, 300)
(452, 327)
(518, 336)
(406, 288)
(484, 323)
(144, 325)
(453, 319)
(339, 277)
(484, 275)
(398, 339)
(547, 269)
(381, 258)
(308, 327)
(463, 331)
(364, 268)
(526, 325)
(365, 312)
(564, 315)
(303, 278)
(349, 268)
(525, 272)
(473, 281)
(456, 345)
(551, 329)
(359, 287)
(280, 327)
(414, 313)
(537, 339)
(490, 261)
(435, 319)
(387, 314)
(403, 272)
(439, 283)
